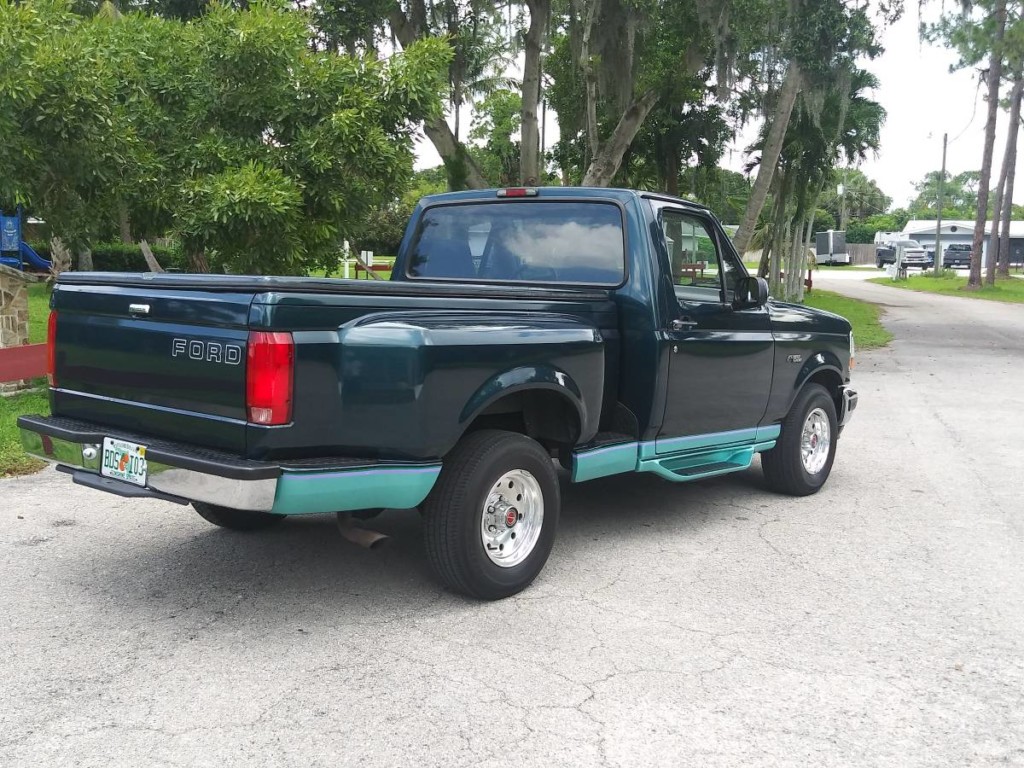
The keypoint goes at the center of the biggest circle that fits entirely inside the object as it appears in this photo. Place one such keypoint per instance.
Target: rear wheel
(801, 460)
(490, 522)
(236, 519)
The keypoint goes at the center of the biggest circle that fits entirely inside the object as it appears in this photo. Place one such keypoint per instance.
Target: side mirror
(751, 292)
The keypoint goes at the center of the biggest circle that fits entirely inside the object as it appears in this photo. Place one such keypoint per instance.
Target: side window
(698, 269)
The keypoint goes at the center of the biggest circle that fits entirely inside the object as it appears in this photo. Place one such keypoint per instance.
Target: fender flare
(546, 378)
(815, 364)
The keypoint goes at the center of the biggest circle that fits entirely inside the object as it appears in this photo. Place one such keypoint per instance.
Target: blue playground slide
(32, 260)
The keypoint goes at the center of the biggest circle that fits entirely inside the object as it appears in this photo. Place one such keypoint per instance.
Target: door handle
(683, 324)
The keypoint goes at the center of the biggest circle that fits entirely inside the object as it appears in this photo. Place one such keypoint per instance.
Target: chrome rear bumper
(253, 490)
(183, 473)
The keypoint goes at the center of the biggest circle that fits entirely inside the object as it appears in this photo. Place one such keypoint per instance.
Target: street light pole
(938, 212)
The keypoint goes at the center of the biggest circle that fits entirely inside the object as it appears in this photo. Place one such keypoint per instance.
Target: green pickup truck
(608, 331)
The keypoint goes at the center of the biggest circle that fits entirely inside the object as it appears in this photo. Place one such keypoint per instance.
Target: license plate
(124, 461)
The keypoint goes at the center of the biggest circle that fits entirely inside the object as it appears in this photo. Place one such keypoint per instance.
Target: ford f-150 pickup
(610, 331)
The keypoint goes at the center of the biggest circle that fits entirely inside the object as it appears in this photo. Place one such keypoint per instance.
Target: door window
(700, 270)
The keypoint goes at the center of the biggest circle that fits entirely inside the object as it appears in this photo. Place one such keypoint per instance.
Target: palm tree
(834, 121)
(481, 54)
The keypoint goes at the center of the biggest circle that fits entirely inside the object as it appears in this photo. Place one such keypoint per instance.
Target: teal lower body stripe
(665, 455)
(601, 462)
(310, 492)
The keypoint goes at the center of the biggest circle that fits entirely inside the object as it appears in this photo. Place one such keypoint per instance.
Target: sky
(922, 99)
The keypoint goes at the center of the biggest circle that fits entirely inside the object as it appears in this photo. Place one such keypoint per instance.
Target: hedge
(121, 257)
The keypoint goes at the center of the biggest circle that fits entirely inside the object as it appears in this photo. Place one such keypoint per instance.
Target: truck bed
(382, 369)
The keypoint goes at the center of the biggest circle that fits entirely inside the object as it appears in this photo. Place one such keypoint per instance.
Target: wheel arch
(541, 402)
(827, 374)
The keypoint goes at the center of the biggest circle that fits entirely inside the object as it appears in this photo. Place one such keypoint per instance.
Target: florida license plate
(124, 461)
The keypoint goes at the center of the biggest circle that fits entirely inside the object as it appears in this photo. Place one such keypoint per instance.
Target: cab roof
(590, 193)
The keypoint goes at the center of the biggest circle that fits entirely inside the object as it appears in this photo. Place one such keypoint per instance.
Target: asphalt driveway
(880, 622)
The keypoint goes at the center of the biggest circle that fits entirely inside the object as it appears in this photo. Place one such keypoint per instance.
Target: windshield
(522, 241)
(910, 243)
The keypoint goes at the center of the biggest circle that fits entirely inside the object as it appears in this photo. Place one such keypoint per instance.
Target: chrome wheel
(512, 517)
(815, 440)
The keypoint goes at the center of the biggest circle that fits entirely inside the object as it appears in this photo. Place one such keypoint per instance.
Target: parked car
(616, 331)
(914, 254)
(957, 255)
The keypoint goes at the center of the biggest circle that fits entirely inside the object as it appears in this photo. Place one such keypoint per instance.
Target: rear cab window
(535, 241)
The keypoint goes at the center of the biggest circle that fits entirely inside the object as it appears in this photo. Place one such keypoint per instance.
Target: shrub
(122, 257)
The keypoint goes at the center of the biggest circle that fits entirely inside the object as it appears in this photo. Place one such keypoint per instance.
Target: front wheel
(801, 460)
(490, 522)
(235, 519)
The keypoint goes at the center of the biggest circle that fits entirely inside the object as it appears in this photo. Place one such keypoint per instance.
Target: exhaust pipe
(361, 536)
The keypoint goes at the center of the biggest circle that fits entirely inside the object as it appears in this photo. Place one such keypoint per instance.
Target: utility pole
(938, 212)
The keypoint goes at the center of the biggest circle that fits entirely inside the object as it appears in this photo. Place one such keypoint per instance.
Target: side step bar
(683, 469)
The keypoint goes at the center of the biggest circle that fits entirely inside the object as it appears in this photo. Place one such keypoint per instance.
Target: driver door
(720, 358)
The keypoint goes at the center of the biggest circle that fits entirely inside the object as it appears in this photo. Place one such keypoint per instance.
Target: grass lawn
(868, 331)
(13, 460)
(1009, 290)
(38, 312)
(340, 274)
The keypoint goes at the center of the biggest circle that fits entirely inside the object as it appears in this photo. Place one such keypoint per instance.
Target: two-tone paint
(397, 372)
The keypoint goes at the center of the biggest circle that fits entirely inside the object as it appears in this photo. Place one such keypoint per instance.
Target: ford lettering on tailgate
(209, 351)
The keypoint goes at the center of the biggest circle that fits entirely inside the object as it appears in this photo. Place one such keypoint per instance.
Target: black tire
(783, 466)
(878, 264)
(453, 513)
(236, 519)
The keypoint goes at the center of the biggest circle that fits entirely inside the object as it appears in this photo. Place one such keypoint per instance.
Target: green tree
(816, 47)
(836, 120)
(497, 119)
(983, 31)
(863, 230)
(959, 195)
(861, 198)
(230, 131)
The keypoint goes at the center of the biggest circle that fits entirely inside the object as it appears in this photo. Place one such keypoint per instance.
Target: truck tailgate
(164, 361)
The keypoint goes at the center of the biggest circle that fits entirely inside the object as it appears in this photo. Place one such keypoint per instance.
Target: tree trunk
(124, 223)
(463, 172)
(147, 254)
(605, 164)
(993, 235)
(461, 167)
(529, 147)
(85, 260)
(764, 266)
(593, 13)
(60, 258)
(455, 120)
(769, 157)
(197, 261)
(1004, 237)
(778, 238)
(1009, 167)
(1009, 156)
(797, 264)
(671, 171)
(995, 67)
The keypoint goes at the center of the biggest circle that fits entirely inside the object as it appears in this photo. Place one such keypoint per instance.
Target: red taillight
(517, 192)
(268, 377)
(51, 349)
